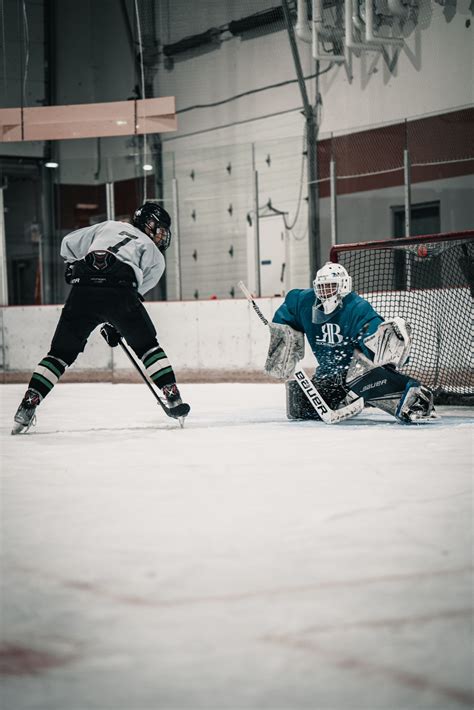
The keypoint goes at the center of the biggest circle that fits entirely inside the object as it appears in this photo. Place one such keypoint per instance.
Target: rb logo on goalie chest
(331, 334)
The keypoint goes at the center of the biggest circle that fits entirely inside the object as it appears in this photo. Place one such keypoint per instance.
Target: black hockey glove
(68, 273)
(110, 334)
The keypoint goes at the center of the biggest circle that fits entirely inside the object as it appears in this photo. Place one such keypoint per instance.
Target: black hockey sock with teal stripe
(46, 374)
(158, 367)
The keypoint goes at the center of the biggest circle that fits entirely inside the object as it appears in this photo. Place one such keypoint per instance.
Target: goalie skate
(416, 406)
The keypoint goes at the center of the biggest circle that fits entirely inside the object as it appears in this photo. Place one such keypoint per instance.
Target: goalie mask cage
(429, 281)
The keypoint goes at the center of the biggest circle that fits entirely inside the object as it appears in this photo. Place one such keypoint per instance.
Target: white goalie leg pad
(390, 343)
(286, 348)
(328, 415)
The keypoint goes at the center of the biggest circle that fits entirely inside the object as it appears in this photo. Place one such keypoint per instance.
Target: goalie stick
(327, 415)
(166, 409)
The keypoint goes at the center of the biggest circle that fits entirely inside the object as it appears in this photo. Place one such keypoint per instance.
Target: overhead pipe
(318, 29)
(302, 29)
(369, 29)
(325, 31)
(352, 20)
(357, 20)
(321, 30)
(351, 43)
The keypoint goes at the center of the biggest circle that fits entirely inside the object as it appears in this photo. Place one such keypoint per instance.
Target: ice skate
(25, 416)
(177, 408)
(416, 406)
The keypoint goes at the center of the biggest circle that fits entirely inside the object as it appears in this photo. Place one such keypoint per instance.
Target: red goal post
(429, 281)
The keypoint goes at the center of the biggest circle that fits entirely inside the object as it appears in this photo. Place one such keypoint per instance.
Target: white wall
(432, 73)
(226, 336)
(199, 336)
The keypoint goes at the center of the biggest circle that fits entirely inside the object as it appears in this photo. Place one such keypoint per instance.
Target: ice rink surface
(245, 562)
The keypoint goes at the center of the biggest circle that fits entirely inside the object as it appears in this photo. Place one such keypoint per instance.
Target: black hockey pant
(88, 306)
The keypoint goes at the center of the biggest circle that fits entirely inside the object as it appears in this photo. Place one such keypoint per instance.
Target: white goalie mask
(331, 284)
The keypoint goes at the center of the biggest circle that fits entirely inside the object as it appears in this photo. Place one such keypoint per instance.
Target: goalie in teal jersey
(357, 352)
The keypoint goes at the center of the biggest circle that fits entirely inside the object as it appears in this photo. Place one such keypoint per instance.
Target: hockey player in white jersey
(110, 266)
(358, 353)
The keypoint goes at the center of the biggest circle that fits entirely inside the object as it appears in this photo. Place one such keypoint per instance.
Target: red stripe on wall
(433, 140)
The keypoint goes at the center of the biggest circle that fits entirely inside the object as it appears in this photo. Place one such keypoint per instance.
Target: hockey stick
(327, 415)
(145, 379)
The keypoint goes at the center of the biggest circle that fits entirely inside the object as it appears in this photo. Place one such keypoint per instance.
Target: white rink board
(217, 335)
(204, 335)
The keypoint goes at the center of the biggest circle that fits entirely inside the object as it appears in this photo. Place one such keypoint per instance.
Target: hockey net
(429, 281)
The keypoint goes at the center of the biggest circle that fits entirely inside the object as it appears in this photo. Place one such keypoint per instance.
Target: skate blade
(19, 428)
(432, 419)
(180, 413)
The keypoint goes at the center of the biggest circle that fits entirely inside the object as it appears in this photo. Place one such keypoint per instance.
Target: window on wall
(23, 220)
(425, 219)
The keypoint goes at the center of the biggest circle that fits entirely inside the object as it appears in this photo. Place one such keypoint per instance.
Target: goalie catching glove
(286, 348)
(110, 334)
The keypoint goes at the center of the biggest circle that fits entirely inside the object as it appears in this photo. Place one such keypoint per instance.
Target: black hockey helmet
(152, 219)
